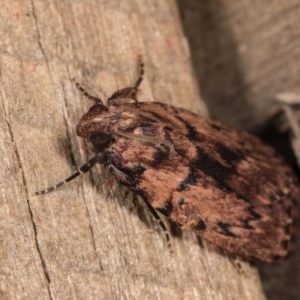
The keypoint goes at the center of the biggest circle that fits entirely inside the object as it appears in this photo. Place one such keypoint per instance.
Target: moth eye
(100, 139)
(97, 108)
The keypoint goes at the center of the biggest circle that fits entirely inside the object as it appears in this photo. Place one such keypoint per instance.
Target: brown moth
(226, 185)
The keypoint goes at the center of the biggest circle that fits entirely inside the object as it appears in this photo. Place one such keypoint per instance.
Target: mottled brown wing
(227, 185)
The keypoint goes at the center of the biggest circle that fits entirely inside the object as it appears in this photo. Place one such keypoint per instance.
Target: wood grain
(89, 240)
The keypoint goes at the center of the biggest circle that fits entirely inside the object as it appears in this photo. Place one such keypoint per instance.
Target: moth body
(226, 185)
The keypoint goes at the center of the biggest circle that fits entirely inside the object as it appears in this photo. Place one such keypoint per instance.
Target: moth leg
(160, 222)
(119, 175)
(128, 92)
(236, 263)
(97, 100)
(99, 157)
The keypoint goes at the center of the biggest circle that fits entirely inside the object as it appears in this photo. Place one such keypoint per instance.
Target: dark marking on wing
(213, 168)
(228, 154)
(246, 224)
(134, 174)
(254, 214)
(272, 197)
(216, 127)
(285, 244)
(193, 133)
(161, 118)
(167, 209)
(276, 257)
(158, 157)
(190, 179)
(225, 228)
(181, 201)
(200, 226)
(208, 165)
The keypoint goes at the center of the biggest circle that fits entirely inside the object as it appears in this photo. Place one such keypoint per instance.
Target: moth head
(92, 121)
(109, 118)
(92, 126)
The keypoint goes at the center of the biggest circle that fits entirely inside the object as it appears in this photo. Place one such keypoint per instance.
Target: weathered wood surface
(87, 240)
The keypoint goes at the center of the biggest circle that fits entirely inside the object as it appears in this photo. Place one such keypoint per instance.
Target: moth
(226, 185)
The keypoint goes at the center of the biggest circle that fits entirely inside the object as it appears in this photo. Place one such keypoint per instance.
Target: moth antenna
(97, 100)
(142, 72)
(128, 92)
(83, 169)
(161, 224)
